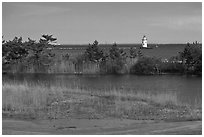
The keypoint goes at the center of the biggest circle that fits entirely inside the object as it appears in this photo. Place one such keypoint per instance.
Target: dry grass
(60, 65)
(41, 101)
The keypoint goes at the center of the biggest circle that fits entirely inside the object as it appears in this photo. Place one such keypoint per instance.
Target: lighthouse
(144, 42)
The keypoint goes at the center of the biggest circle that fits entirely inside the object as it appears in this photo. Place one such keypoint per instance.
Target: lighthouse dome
(144, 38)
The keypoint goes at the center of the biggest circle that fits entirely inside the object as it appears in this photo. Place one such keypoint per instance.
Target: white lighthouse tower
(144, 42)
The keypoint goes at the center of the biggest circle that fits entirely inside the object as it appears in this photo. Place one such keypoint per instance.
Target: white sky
(82, 23)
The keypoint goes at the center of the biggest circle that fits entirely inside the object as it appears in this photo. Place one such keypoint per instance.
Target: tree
(139, 53)
(133, 52)
(116, 53)
(192, 58)
(40, 53)
(146, 65)
(94, 53)
(47, 39)
(115, 61)
(13, 51)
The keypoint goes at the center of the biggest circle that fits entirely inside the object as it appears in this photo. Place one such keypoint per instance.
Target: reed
(62, 67)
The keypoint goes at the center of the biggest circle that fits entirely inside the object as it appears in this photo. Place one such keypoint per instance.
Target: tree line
(39, 55)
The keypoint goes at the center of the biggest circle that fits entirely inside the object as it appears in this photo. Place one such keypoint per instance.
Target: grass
(60, 66)
(28, 100)
(67, 66)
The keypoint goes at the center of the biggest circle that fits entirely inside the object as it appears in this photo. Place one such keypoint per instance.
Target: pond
(187, 88)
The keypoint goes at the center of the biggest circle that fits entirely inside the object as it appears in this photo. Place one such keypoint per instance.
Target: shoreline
(179, 74)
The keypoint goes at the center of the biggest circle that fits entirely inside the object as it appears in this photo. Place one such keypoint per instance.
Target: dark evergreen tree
(139, 53)
(115, 61)
(93, 53)
(13, 51)
(133, 52)
(192, 58)
(116, 53)
(40, 53)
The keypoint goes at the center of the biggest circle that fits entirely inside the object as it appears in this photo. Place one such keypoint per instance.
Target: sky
(120, 22)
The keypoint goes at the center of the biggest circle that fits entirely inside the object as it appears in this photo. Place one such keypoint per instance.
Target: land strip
(99, 127)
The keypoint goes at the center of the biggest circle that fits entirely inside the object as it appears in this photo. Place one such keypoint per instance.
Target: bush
(192, 58)
(13, 51)
(110, 66)
(29, 56)
(133, 52)
(93, 53)
(114, 62)
(146, 65)
(170, 67)
(40, 55)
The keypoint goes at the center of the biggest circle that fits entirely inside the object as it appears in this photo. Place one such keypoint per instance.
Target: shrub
(13, 51)
(133, 52)
(192, 58)
(170, 67)
(93, 52)
(114, 62)
(40, 55)
(146, 65)
(29, 56)
(110, 66)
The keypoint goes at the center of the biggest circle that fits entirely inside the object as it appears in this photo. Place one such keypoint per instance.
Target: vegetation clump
(146, 65)
(93, 53)
(38, 57)
(28, 55)
(192, 58)
(114, 63)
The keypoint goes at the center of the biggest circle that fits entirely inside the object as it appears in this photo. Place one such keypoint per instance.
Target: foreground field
(40, 109)
(100, 127)
(29, 101)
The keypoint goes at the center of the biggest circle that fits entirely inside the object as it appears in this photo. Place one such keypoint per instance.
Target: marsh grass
(62, 67)
(58, 101)
(58, 66)
(70, 66)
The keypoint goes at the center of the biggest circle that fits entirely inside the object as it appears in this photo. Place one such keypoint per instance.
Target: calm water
(187, 88)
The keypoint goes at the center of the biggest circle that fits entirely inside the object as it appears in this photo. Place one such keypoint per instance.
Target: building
(144, 42)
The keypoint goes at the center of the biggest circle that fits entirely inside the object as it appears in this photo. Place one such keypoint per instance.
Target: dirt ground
(99, 127)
